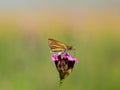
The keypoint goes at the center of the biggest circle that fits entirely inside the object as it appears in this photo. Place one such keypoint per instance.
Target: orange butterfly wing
(57, 46)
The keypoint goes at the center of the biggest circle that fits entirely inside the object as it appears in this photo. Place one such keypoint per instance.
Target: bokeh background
(92, 27)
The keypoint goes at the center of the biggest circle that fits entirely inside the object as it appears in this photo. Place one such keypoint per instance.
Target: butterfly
(57, 46)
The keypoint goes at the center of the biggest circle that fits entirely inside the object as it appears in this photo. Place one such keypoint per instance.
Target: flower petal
(54, 57)
(66, 56)
(70, 58)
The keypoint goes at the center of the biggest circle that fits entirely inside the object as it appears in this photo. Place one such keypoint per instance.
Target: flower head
(64, 64)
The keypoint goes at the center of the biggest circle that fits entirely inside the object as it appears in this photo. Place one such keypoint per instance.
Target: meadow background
(92, 27)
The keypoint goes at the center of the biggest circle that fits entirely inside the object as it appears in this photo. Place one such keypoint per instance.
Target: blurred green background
(92, 28)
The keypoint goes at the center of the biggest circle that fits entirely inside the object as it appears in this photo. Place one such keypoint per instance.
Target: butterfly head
(69, 47)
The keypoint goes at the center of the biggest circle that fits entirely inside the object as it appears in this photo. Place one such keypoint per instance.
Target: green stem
(60, 85)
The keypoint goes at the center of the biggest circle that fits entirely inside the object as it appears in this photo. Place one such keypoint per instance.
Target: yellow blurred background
(92, 28)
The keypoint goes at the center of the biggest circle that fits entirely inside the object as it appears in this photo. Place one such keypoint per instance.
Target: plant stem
(60, 85)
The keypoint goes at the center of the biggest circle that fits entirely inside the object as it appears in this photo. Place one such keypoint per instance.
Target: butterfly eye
(70, 48)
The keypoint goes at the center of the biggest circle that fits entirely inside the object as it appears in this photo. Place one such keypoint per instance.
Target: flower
(64, 64)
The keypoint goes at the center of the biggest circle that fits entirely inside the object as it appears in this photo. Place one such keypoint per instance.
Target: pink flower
(64, 63)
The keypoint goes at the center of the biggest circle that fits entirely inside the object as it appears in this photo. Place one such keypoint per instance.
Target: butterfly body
(57, 46)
